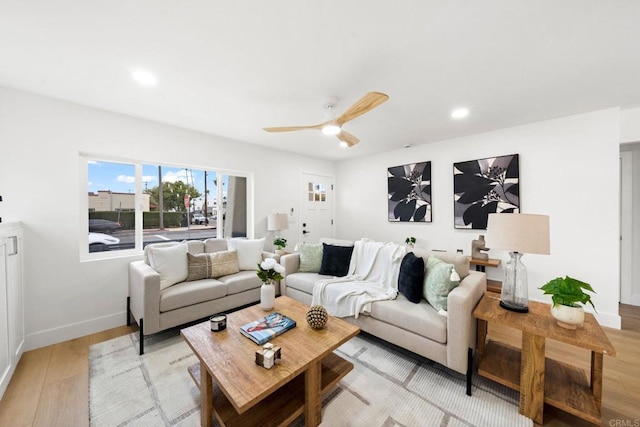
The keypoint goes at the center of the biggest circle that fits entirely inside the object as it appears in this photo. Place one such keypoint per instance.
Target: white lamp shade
(277, 222)
(524, 233)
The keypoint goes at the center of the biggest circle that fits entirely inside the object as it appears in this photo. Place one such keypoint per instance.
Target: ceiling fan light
(331, 129)
(343, 144)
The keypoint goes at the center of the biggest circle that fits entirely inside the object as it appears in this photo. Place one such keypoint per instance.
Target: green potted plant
(280, 243)
(410, 241)
(567, 295)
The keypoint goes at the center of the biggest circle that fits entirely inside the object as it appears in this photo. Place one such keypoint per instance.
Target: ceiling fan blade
(368, 102)
(292, 128)
(348, 138)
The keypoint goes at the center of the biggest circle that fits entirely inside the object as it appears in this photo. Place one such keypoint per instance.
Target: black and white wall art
(410, 192)
(485, 186)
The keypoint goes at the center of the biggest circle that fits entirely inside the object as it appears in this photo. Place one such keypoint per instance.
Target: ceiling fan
(333, 126)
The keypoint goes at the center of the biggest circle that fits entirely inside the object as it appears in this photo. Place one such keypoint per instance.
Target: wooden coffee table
(240, 393)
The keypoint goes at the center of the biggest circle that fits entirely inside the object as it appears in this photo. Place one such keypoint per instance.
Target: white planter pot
(267, 296)
(568, 317)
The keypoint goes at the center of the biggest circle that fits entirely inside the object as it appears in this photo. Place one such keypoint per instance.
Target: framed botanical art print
(410, 192)
(485, 186)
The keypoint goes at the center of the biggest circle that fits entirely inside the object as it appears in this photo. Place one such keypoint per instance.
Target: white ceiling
(230, 68)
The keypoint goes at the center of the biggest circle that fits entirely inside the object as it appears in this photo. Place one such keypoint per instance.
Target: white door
(316, 202)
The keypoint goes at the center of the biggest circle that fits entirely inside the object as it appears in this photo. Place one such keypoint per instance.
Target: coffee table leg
(206, 396)
(313, 404)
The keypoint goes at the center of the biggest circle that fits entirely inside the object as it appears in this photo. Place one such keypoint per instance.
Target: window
(175, 204)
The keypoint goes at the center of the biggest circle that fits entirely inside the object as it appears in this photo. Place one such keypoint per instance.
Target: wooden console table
(542, 380)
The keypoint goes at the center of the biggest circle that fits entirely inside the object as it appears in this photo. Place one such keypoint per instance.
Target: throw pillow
(249, 252)
(411, 277)
(335, 260)
(211, 266)
(441, 279)
(198, 266)
(224, 263)
(170, 262)
(310, 257)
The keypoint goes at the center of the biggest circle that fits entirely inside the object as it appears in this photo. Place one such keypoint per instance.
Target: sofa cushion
(335, 260)
(411, 278)
(459, 261)
(194, 246)
(310, 257)
(215, 245)
(240, 282)
(211, 265)
(421, 319)
(186, 294)
(170, 262)
(336, 242)
(441, 279)
(304, 281)
(249, 252)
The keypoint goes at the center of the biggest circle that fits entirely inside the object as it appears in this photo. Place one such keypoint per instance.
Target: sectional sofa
(447, 338)
(180, 282)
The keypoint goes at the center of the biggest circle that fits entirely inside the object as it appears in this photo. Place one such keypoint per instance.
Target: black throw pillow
(335, 260)
(411, 277)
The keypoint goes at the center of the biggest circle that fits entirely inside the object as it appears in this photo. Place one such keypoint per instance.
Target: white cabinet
(11, 301)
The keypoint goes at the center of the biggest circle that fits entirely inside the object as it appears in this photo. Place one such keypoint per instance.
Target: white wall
(40, 140)
(630, 125)
(569, 170)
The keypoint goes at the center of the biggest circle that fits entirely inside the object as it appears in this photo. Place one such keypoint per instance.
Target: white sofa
(448, 340)
(155, 308)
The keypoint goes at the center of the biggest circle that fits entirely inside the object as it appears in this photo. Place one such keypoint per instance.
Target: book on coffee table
(262, 330)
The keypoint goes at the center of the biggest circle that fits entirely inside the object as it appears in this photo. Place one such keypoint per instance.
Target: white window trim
(83, 240)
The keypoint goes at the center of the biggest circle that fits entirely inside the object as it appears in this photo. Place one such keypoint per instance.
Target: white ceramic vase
(267, 296)
(568, 317)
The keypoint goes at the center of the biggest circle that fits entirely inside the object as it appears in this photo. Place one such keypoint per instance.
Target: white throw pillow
(170, 263)
(249, 252)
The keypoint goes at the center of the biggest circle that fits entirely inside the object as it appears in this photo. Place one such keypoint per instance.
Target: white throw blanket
(373, 276)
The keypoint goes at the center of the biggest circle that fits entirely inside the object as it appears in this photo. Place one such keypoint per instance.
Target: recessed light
(144, 77)
(460, 113)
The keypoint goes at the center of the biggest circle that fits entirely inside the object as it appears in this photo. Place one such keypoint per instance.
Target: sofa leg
(128, 311)
(469, 370)
(141, 337)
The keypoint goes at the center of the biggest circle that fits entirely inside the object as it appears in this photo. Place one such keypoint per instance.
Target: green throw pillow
(441, 279)
(310, 257)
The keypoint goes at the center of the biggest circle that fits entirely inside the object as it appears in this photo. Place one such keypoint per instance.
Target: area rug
(386, 388)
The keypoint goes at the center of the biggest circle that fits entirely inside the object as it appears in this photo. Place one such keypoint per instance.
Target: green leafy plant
(568, 291)
(410, 240)
(280, 243)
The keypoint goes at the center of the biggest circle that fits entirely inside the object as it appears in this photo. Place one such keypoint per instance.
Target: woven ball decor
(317, 316)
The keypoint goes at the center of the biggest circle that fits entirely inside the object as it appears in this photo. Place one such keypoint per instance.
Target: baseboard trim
(609, 320)
(74, 330)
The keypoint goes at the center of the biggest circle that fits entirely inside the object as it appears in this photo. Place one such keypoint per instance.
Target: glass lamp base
(518, 309)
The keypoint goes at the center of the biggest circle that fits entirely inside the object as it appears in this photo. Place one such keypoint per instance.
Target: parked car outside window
(99, 242)
(103, 226)
(198, 219)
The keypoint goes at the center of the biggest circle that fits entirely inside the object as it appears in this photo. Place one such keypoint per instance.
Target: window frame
(137, 250)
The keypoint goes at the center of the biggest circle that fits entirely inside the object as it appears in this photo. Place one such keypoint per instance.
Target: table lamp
(518, 234)
(277, 222)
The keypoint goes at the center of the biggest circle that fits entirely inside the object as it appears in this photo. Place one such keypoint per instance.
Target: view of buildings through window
(176, 204)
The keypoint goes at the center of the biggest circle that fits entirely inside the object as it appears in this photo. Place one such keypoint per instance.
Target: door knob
(305, 232)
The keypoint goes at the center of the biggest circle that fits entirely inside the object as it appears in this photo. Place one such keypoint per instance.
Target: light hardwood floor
(50, 385)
